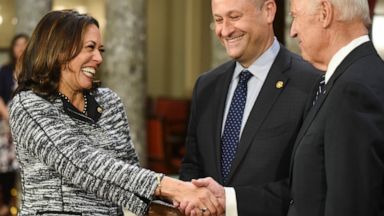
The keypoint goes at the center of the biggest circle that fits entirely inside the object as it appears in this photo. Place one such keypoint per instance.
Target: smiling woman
(73, 139)
(78, 74)
(56, 63)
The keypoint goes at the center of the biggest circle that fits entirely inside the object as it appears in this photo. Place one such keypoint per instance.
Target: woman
(72, 139)
(7, 83)
(8, 163)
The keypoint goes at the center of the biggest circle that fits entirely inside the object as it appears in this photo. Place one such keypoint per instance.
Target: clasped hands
(198, 197)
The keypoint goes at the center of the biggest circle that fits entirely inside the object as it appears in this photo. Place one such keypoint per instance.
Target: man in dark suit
(275, 98)
(338, 158)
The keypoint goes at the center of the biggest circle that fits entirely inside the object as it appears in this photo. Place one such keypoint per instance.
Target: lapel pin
(279, 84)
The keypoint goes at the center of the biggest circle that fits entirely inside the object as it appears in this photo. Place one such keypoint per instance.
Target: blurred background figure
(7, 83)
(8, 163)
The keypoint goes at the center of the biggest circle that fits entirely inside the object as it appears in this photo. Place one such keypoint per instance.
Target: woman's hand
(188, 198)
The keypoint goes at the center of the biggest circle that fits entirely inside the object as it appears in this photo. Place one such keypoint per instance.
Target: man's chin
(233, 55)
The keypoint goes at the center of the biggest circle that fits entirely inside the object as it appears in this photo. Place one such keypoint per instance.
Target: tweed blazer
(72, 167)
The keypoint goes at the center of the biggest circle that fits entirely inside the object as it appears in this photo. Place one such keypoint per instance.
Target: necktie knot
(244, 76)
(320, 89)
(322, 84)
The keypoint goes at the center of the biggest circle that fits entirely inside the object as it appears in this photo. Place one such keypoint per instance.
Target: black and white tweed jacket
(71, 167)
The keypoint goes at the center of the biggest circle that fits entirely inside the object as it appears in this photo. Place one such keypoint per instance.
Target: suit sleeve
(190, 166)
(36, 126)
(354, 152)
(271, 199)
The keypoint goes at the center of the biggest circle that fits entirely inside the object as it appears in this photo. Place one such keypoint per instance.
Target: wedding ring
(203, 209)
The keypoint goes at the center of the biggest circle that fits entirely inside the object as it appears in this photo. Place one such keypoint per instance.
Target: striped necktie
(320, 90)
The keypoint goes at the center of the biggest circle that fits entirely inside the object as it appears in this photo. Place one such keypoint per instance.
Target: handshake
(199, 197)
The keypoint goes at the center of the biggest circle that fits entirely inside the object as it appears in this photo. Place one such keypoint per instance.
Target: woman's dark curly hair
(56, 40)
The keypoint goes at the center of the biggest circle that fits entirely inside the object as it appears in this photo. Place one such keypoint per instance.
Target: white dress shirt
(259, 69)
(341, 54)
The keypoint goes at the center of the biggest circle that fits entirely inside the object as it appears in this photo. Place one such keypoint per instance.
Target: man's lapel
(360, 51)
(220, 96)
(274, 84)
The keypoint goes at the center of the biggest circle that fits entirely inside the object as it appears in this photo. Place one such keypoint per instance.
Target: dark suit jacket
(338, 162)
(264, 151)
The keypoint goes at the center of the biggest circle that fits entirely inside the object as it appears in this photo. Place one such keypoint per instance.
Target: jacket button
(291, 202)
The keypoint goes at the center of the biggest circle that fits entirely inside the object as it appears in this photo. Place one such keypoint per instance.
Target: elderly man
(337, 167)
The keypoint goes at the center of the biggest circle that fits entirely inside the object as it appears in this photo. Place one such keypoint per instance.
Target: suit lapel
(265, 100)
(360, 51)
(220, 97)
(309, 118)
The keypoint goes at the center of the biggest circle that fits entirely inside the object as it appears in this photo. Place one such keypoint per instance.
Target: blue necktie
(231, 135)
(320, 90)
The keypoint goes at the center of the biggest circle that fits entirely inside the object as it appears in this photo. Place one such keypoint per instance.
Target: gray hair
(351, 9)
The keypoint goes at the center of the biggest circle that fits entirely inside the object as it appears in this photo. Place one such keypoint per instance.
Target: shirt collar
(261, 66)
(342, 53)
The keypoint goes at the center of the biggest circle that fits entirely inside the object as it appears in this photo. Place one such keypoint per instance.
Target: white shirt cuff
(230, 201)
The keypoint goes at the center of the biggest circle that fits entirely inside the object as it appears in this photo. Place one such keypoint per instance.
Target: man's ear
(326, 13)
(270, 8)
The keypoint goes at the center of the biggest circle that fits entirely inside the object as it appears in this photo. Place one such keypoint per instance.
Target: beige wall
(7, 27)
(178, 45)
(7, 22)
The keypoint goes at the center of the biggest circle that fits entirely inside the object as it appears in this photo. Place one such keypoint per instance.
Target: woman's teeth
(89, 72)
